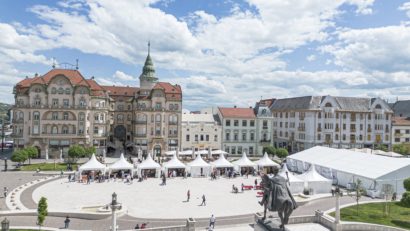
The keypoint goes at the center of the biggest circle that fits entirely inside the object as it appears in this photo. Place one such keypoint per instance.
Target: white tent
(296, 184)
(121, 164)
(221, 162)
(198, 166)
(170, 153)
(218, 152)
(265, 161)
(174, 163)
(347, 166)
(316, 182)
(149, 164)
(92, 165)
(243, 162)
(185, 153)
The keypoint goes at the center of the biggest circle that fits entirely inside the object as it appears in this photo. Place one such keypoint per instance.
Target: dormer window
(378, 106)
(328, 105)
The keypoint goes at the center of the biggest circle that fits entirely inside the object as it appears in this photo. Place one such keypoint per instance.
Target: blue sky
(222, 53)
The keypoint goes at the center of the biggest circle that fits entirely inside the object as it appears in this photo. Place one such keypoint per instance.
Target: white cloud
(122, 76)
(311, 58)
(405, 7)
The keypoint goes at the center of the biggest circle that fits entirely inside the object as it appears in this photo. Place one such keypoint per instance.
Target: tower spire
(149, 46)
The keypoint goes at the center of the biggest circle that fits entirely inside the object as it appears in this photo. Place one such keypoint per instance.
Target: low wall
(88, 216)
(190, 226)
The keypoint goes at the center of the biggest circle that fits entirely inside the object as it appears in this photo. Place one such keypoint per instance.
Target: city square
(178, 115)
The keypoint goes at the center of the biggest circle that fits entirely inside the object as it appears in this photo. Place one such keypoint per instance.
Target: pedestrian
(212, 222)
(203, 200)
(256, 183)
(6, 190)
(61, 173)
(188, 195)
(66, 222)
(137, 226)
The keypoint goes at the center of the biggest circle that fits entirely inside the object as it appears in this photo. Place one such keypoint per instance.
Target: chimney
(35, 75)
(234, 106)
(92, 77)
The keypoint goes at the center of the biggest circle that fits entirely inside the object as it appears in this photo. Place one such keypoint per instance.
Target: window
(36, 115)
(207, 137)
(397, 140)
(265, 124)
(233, 150)
(187, 137)
(65, 116)
(252, 138)
(120, 117)
(235, 136)
(158, 106)
(37, 101)
(202, 137)
(55, 102)
(81, 116)
(236, 123)
(60, 91)
(196, 137)
(171, 107)
(215, 138)
(65, 130)
(244, 123)
(337, 137)
(228, 122)
(55, 116)
(67, 91)
(53, 90)
(83, 103)
(344, 137)
(240, 150)
(250, 150)
(227, 136)
(158, 118)
(65, 103)
(244, 136)
(129, 117)
(54, 130)
(252, 123)
(319, 137)
(95, 130)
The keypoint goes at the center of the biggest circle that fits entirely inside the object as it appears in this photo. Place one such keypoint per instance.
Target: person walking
(203, 200)
(66, 222)
(212, 222)
(6, 190)
(188, 195)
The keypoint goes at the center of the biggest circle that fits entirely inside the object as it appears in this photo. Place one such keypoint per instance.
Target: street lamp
(5, 164)
(114, 206)
(5, 225)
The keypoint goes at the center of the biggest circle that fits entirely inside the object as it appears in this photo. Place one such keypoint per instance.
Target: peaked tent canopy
(149, 163)
(316, 182)
(218, 152)
(199, 167)
(265, 161)
(221, 162)
(121, 164)
(296, 184)
(244, 162)
(174, 162)
(92, 165)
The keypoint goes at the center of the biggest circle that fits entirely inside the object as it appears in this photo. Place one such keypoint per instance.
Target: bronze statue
(277, 197)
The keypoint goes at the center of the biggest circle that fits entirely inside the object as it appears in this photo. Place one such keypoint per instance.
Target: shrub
(405, 199)
(270, 150)
(19, 156)
(282, 152)
(406, 184)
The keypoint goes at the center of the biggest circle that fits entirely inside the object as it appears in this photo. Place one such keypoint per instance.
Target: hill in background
(4, 110)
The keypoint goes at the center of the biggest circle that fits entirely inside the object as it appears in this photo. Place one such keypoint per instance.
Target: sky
(222, 53)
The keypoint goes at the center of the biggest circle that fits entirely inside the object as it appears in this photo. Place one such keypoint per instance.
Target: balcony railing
(264, 141)
(172, 135)
(173, 123)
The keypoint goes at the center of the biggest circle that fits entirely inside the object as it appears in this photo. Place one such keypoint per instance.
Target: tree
(270, 150)
(42, 211)
(400, 148)
(406, 184)
(357, 192)
(19, 156)
(88, 151)
(382, 147)
(32, 152)
(282, 153)
(75, 152)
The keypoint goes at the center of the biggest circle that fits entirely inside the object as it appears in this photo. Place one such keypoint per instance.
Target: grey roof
(313, 102)
(297, 103)
(402, 108)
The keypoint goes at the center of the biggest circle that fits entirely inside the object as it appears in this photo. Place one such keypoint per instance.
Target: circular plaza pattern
(149, 199)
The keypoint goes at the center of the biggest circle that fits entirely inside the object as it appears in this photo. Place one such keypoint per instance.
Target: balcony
(337, 129)
(265, 127)
(319, 129)
(353, 130)
(173, 123)
(265, 141)
(369, 130)
(172, 135)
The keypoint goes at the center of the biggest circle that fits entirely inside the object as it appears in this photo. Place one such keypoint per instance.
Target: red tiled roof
(400, 121)
(74, 76)
(237, 112)
(168, 88)
(120, 91)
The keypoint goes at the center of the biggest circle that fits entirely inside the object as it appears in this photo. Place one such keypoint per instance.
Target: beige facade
(62, 108)
(200, 132)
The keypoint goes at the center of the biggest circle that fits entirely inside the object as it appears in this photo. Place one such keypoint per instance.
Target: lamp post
(337, 212)
(5, 164)
(114, 206)
(5, 225)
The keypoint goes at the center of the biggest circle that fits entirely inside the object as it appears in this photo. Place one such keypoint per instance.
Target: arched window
(37, 101)
(54, 130)
(120, 117)
(21, 115)
(171, 107)
(328, 105)
(83, 102)
(53, 90)
(68, 91)
(378, 106)
(60, 91)
(36, 115)
(157, 118)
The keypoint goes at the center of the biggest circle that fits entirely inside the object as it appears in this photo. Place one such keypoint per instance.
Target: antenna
(76, 65)
(54, 63)
(149, 46)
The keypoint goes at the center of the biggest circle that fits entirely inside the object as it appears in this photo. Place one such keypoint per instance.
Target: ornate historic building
(62, 108)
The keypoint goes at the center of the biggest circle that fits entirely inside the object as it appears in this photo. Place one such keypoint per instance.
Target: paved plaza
(149, 199)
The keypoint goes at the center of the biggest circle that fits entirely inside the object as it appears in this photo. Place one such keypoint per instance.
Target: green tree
(270, 150)
(88, 151)
(400, 148)
(19, 156)
(406, 184)
(382, 147)
(32, 152)
(282, 153)
(357, 192)
(42, 211)
(75, 152)
(405, 199)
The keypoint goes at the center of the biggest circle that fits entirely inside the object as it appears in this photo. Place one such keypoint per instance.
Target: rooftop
(236, 112)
